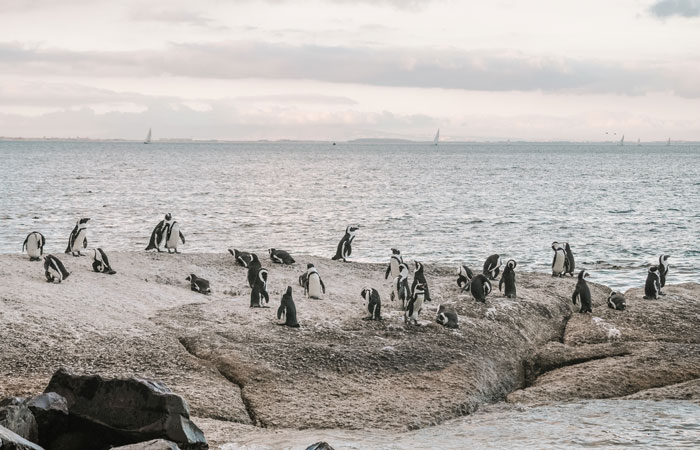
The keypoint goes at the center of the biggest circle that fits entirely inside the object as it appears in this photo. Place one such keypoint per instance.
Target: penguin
(582, 292)
(415, 305)
(508, 278)
(302, 279)
(345, 245)
(394, 261)
(570, 265)
(158, 234)
(313, 284)
(173, 236)
(374, 303)
(464, 277)
(492, 267)
(652, 288)
(259, 292)
(288, 310)
(253, 266)
(54, 270)
(663, 270)
(617, 301)
(401, 291)
(78, 238)
(100, 262)
(34, 243)
(447, 317)
(280, 256)
(480, 287)
(242, 258)
(198, 284)
(559, 261)
(419, 278)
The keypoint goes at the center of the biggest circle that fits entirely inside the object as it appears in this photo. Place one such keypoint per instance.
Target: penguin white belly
(78, 243)
(559, 263)
(174, 237)
(394, 268)
(314, 286)
(417, 306)
(57, 276)
(33, 246)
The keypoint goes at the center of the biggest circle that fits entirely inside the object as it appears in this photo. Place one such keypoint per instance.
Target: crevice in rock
(535, 368)
(246, 401)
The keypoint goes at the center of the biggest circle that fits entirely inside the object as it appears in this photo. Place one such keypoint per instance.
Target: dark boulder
(112, 412)
(13, 441)
(51, 413)
(155, 444)
(18, 418)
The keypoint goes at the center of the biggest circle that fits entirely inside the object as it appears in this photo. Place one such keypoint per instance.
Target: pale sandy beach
(241, 373)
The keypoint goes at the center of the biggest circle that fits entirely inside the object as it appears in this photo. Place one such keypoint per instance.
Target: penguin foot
(176, 251)
(662, 293)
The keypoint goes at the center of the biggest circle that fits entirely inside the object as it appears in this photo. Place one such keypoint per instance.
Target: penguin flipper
(25, 243)
(280, 311)
(386, 274)
(182, 237)
(574, 297)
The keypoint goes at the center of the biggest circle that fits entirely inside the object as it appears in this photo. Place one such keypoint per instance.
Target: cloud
(669, 8)
(171, 16)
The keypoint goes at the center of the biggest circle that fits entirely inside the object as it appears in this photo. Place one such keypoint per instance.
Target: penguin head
(583, 274)
(653, 269)
(168, 216)
(555, 245)
(271, 251)
(441, 308)
(366, 292)
(511, 263)
(254, 257)
(663, 259)
(288, 292)
(395, 251)
(419, 265)
(566, 246)
(83, 220)
(191, 277)
(441, 318)
(351, 229)
(309, 265)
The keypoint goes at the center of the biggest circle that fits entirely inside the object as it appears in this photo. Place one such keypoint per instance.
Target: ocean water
(618, 207)
(589, 424)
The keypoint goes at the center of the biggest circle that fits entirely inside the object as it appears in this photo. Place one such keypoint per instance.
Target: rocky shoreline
(237, 369)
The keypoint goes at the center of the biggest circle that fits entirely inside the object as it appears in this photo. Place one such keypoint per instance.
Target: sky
(347, 69)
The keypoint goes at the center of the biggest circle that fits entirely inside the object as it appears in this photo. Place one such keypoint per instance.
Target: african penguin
(173, 236)
(100, 262)
(508, 278)
(617, 301)
(259, 292)
(492, 267)
(480, 287)
(559, 262)
(54, 270)
(401, 290)
(313, 284)
(253, 266)
(419, 278)
(78, 238)
(447, 317)
(415, 305)
(394, 261)
(198, 284)
(288, 310)
(374, 303)
(464, 277)
(280, 256)
(34, 244)
(570, 262)
(663, 270)
(652, 287)
(344, 249)
(158, 235)
(242, 258)
(583, 293)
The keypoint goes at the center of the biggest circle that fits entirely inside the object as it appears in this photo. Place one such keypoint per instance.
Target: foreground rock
(18, 418)
(12, 441)
(155, 444)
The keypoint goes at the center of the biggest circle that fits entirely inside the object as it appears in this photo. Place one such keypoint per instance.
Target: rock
(51, 413)
(319, 446)
(13, 441)
(123, 411)
(155, 444)
(18, 418)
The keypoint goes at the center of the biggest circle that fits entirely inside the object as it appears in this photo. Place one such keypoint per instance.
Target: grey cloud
(683, 8)
(401, 67)
(173, 16)
(310, 99)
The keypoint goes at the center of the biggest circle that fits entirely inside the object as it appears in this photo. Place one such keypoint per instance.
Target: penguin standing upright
(663, 270)
(508, 278)
(78, 238)
(570, 265)
(559, 262)
(288, 310)
(344, 249)
(394, 261)
(34, 244)
(401, 290)
(492, 267)
(419, 278)
(617, 301)
(173, 236)
(447, 317)
(652, 287)
(54, 270)
(583, 293)
(464, 277)
(313, 284)
(415, 305)
(100, 262)
(374, 303)
(242, 258)
(259, 292)
(280, 256)
(158, 234)
(253, 266)
(480, 287)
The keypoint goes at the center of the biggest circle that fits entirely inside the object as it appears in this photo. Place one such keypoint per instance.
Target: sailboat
(436, 139)
(638, 142)
(669, 142)
(622, 141)
(148, 137)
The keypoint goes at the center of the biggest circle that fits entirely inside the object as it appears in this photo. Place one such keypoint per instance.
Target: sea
(456, 203)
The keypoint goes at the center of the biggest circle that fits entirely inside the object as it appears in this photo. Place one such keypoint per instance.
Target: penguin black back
(492, 266)
(419, 278)
(583, 293)
(253, 266)
(54, 270)
(447, 317)
(374, 303)
(663, 270)
(344, 249)
(480, 287)
(652, 287)
(288, 310)
(570, 264)
(508, 278)
(259, 292)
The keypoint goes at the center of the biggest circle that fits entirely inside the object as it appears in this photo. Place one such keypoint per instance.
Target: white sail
(437, 137)
(148, 137)
(669, 142)
(622, 141)
(638, 142)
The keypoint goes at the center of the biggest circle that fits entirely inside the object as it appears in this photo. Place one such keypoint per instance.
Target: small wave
(621, 211)
(474, 221)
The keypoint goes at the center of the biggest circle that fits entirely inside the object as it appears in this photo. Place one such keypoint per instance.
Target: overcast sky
(344, 69)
